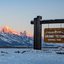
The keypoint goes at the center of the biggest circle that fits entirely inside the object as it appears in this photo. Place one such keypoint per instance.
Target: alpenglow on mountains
(11, 38)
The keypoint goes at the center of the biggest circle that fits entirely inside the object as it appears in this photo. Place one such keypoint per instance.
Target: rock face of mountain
(7, 29)
(11, 38)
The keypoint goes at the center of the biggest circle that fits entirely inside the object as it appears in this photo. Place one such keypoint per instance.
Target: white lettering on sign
(54, 35)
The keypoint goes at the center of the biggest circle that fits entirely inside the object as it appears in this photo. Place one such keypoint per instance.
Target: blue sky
(18, 13)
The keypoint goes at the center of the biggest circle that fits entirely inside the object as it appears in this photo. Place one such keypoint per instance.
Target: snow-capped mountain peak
(10, 37)
(7, 29)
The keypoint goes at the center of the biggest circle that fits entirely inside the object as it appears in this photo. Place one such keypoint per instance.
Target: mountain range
(11, 38)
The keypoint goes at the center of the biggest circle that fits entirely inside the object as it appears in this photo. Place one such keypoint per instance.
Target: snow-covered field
(30, 56)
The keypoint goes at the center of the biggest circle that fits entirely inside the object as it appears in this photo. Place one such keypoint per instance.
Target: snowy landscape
(31, 31)
(30, 56)
(18, 49)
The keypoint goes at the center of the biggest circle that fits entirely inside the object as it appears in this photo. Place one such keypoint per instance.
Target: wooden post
(37, 32)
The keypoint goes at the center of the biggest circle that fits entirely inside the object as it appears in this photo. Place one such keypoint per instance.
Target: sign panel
(54, 35)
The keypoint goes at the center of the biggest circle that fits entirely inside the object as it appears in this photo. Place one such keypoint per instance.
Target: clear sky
(18, 13)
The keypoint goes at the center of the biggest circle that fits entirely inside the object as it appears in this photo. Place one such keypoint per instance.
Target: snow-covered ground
(30, 56)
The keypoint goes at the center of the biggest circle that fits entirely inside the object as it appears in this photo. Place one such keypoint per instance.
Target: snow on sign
(54, 35)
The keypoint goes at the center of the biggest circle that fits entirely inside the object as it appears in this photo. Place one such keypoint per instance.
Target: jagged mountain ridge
(7, 29)
(9, 37)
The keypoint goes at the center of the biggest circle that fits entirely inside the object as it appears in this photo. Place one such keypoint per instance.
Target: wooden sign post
(38, 29)
(37, 32)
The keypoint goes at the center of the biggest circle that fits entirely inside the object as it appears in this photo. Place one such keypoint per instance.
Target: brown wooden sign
(54, 35)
